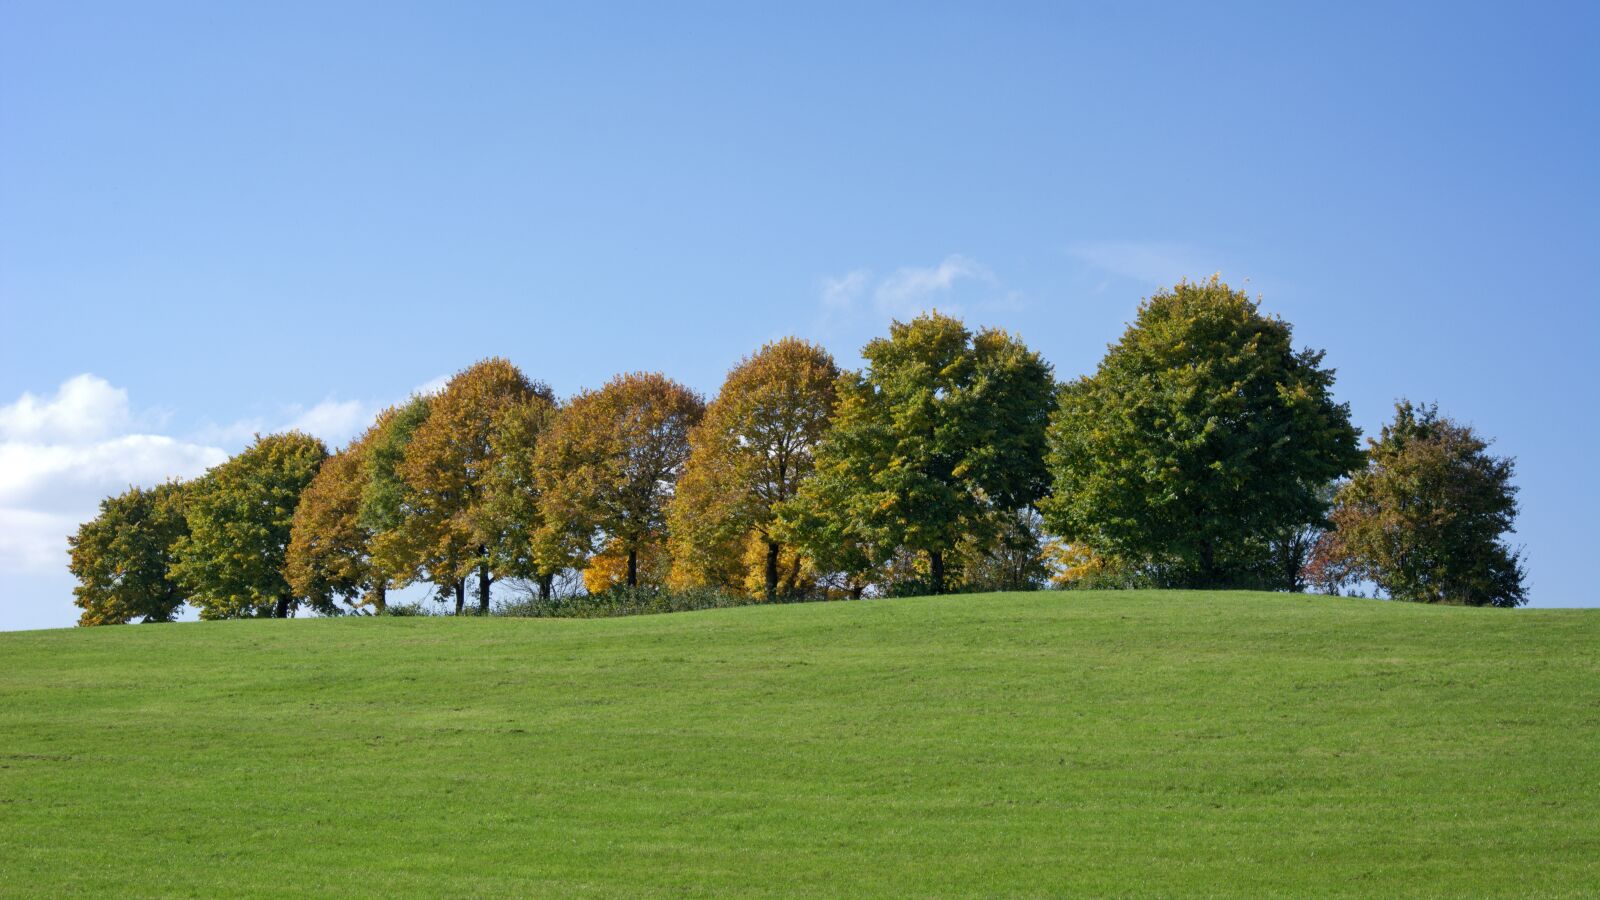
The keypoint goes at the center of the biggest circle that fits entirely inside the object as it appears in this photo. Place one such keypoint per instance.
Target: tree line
(1205, 451)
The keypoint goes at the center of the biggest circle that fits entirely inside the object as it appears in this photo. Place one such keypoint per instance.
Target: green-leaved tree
(122, 558)
(231, 563)
(942, 433)
(1201, 438)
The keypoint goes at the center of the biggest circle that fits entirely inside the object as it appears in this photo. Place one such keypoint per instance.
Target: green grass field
(1012, 744)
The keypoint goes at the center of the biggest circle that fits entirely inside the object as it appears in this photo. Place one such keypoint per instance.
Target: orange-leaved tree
(448, 527)
(608, 466)
(330, 547)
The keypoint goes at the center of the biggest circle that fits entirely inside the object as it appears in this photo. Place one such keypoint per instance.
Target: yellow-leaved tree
(750, 453)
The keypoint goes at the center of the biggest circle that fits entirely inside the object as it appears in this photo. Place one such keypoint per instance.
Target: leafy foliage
(608, 466)
(510, 514)
(240, 514)
(608, 569)
(750, 453)
(122, 558)
(449, 469)
(1425, 519)
(329, 556)
(384, 494)
(942, 430)
(1202, 436)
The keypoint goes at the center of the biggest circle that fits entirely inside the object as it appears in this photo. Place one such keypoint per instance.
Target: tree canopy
(610, 463)
(122, 558)
(447, 467)
(1204, 451)
(751, 452)
(1425, 519)
(1201, 436)
(330, 547)
(943, 429)
(240, 515)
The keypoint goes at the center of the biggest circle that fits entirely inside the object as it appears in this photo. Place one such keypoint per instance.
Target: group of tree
(1205, 451)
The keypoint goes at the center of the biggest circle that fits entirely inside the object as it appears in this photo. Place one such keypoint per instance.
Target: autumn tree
(122, 557)
(384, 495)
(330, 547)
(609, 465)
(1425, 520)
(1201, 436)
(608, 568)
(751, 452)
(232, 562)
(942, 430)
(447, 529)
(510, 516)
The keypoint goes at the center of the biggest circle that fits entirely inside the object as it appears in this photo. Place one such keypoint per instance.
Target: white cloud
(60, 456)
(84, 407)
(63, 477)
(335, 421)
(1154, 263)
(33, 542)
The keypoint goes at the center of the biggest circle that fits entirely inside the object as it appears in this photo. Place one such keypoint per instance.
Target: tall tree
(1202, 435)
(942, 430)
(330, 549)
(384, 496)
(610, 463)
(510, 515)
(240, 514)
(751, 452)
(1425, 520)
(447, 468)
(122, 558)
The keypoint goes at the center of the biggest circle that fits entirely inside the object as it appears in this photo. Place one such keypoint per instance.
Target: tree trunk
(1208, 565)
(282, 609)
(633, 567)
(857, 589)
(544, 586)
(772, 571)
(936, 564)
(461, 595)
(483, 588)
(380, 597)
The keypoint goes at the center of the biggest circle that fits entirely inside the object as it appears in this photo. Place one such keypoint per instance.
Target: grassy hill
(1140, 742)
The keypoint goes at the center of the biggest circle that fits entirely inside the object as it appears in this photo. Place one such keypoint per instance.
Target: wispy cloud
(432, 385)
(1154, 263)
(843, 292)
(950, 285)
(911, 289)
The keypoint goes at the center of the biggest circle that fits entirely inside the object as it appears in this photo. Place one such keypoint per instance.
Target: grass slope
(1141, 742)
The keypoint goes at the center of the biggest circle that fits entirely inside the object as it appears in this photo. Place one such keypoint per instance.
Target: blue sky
(222, 218)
